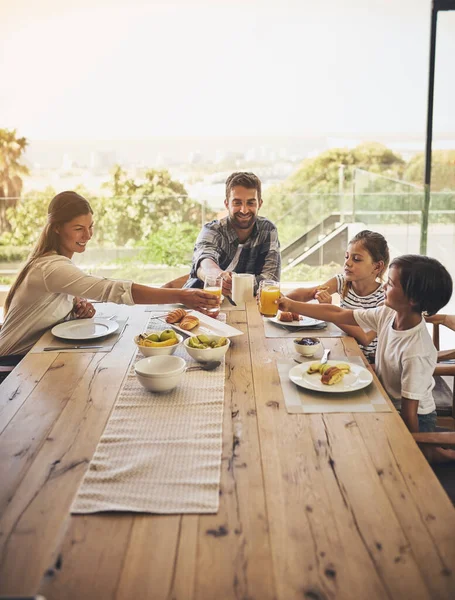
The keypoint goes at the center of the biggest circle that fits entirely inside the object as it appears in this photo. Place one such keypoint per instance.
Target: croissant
(295, 316)
(285, 317)
(332, 375)
(189, 322)
(176, 315)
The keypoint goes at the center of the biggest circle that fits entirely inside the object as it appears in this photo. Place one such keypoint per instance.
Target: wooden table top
(314, 506)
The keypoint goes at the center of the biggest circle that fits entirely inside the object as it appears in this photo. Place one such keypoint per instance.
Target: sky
(111, 69)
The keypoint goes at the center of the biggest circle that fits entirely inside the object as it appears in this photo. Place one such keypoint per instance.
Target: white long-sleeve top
(45, 298)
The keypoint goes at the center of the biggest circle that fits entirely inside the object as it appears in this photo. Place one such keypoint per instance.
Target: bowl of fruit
(206, 348)
(156, 343)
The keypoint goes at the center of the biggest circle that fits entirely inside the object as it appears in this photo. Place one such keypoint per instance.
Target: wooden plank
(94, 543)
(20, 383)
(23, 437)
(421, 505)
(31, 525)
(372, 510)
(150, 562)
(234, 555)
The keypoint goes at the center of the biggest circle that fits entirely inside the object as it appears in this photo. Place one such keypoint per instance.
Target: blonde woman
(51, 288)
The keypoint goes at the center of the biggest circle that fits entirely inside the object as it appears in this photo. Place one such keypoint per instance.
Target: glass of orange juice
(269, 291)
(214, 284)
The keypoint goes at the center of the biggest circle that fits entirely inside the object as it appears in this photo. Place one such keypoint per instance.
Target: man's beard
(243, 223)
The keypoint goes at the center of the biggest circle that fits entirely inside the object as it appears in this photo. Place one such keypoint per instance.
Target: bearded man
(242, 242)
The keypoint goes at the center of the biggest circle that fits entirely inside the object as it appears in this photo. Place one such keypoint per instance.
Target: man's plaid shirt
(260, 253)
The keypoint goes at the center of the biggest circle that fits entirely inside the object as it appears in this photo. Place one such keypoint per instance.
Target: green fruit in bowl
(194, 342)
(203, 339)
(153, 337)
(167, 334)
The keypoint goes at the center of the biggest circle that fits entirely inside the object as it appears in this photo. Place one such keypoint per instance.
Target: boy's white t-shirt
(405, 360)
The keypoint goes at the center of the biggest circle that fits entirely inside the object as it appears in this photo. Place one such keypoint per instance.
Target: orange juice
(269, 294)
(216, 291)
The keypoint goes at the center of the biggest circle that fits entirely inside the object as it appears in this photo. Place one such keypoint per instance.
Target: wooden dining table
(312, 506)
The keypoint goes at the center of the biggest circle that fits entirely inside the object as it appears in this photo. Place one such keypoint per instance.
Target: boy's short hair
(247, 180)
(425, 281)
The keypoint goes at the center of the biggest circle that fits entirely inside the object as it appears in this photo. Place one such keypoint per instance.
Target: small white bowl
(208, 354)
(160, 373)
(157, 350)
(307, 350)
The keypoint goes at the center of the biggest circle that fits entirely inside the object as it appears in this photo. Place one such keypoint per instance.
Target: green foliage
(320, 174)
(27, 218)
(442, 170)
(139, 210)
(304, 272)
(171, 245)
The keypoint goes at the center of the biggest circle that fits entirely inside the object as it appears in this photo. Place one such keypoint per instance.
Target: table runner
(301, 400)
(272, 330)
(106, 343)
(159, 453)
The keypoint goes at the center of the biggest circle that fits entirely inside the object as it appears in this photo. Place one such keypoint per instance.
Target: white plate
(358, 378)
(303, 322)
(85, 329)
(208, 325)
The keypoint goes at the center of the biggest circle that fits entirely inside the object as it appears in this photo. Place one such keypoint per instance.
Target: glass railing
(314, 230)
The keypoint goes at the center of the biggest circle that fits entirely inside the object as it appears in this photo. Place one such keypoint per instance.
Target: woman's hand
(436, 319)
(83, 309)
(199, 299)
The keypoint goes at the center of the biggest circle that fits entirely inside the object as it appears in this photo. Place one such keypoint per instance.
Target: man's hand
(83, 309)
(198, 299)
(226, 278)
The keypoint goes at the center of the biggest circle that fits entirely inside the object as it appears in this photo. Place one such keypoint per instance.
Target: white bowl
(157, 350)
(307, 350)
(160, 373)
(208, 354)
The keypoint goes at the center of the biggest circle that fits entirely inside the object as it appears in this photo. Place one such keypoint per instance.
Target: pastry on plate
(176, 315)
(332, 375)
(314, 368)
(189, 322)
(285, 317)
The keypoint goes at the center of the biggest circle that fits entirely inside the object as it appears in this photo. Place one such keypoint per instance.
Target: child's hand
(323, 297)
(284, 304)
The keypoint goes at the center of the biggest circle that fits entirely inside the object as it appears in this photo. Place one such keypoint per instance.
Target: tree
(442, 170)
(11, 170)
(138, 210)
(27, 218)
(320, 174)
(312, 192)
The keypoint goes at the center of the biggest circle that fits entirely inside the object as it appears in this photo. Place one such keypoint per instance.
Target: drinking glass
(269, 291)
(214, 284)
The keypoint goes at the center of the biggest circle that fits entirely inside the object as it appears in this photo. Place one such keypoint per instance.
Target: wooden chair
(445, 472)
(445, 405)
(179, 282)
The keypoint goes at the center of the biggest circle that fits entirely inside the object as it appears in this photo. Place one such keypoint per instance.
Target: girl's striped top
(353, 301)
